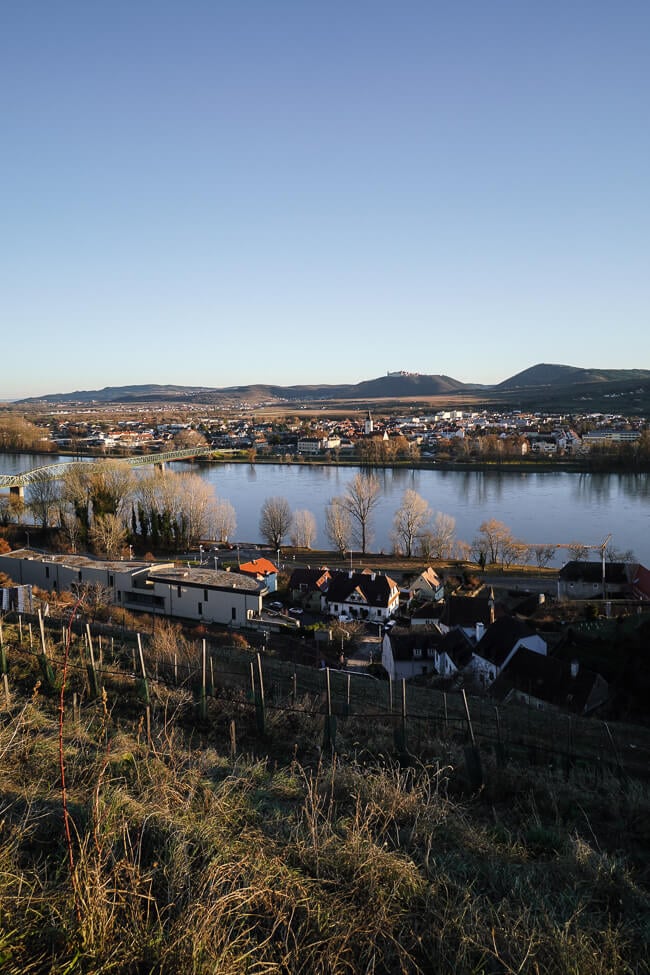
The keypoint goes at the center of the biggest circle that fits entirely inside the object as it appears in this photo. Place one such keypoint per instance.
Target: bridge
(52, 472)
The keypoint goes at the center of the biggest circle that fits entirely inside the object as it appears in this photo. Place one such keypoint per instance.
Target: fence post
(4, 668)
(203, 702)
(95, 689)
(143, 689)
(233, 740)
(43, 659)
(569, 749)
(500, 750)
(400, 732)
(620, 771)
(329, 734)
(472, 754)
(260, 710)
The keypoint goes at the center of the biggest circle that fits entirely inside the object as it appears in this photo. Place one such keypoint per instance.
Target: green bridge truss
(53, 472)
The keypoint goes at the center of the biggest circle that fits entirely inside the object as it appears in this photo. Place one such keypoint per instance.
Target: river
(549, 507)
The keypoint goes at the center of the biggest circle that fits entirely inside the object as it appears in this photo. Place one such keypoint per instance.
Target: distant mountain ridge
(543, 377)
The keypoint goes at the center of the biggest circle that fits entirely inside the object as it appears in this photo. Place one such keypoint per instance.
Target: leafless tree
(70, 526)
(543, 555)
(439, 540)
(303, 530)
(495, 540)
(194, 499)
(578, 552)
(223, 520)
(108, 535)
(43, 498)
(111, 485)
(275, 520)
(360, 501)
(338, 525)
(409, 521)
(75, 491)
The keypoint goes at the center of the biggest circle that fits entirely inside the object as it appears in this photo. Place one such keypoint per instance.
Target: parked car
(276, 605)
(295, 611)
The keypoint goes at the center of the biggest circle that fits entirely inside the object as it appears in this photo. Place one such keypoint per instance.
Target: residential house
(263, 570)
(307, 586)
(410, 653)
(547, 682)
(427, 586)
(471, 613)
(361, 595)
(499, 643)
(406, 654)
(584, 580)
(426, 614)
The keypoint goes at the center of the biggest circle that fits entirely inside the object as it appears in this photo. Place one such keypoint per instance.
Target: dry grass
(190, 859)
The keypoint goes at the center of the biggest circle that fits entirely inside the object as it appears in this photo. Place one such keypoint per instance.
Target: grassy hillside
(209, 846)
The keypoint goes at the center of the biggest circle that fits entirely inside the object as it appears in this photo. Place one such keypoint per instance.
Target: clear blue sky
(216, 193)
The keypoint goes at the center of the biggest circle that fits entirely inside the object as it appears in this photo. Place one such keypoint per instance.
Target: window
(205, 595)
(47, 572)
(234, 612)
(179, 591)
(200, 609)
(417, 652)
(110, 580)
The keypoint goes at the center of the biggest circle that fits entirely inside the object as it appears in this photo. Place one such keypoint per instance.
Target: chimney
(480, 630)
(575, 667)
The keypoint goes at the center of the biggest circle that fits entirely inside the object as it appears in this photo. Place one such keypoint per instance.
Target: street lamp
(200, 555)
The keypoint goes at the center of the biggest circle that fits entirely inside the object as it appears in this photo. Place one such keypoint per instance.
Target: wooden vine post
(4, 668)
(472, 755)
(203, 700)
(143, 689)
(93, 677)
(329, 735)
(260, 704)
(44, 662)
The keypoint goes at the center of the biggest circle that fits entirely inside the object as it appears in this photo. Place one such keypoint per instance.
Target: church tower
(368, 427)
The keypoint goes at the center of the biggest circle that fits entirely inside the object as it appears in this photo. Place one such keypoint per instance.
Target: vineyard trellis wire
(260, 685)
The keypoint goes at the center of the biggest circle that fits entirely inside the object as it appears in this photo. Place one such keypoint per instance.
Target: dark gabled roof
(547, 679)
(376, 591)
(458, 647)
(467, 610)
(313, 579)
(500, 637)
(404, 641)
(615, 572)
(428, 611)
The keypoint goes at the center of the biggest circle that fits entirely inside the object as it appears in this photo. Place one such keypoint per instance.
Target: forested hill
(540, 380)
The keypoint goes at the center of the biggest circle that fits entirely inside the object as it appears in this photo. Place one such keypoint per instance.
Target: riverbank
(532, 465)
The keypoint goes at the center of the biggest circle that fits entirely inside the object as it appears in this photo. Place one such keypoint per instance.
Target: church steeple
(368, 427)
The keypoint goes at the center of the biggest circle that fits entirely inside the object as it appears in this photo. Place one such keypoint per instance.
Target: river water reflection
(545, 507)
